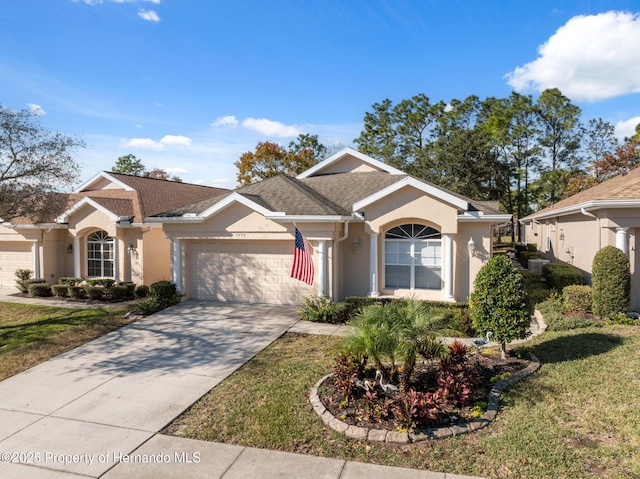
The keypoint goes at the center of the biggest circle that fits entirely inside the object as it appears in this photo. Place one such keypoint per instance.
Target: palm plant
(398, 331)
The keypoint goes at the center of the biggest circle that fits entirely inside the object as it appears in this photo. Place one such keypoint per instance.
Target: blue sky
(190, 85)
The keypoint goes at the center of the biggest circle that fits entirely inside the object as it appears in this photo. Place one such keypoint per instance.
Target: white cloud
(626, 128)
(149, 15)
(175, 170)
(143, 144)
(149, 144)
(176, 140)
(230, 121)
(226, 183)
(270, 127)
(591, 57)
(36, 109)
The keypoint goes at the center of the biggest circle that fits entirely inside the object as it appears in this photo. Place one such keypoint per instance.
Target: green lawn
(32, 334)
(577, 417)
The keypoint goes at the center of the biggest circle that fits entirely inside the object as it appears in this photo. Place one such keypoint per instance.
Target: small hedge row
(559, 275)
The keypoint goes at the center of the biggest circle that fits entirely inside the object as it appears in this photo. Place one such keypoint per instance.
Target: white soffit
(349, 152)
(417, 184)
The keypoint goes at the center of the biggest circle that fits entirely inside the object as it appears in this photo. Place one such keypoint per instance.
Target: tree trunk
(503, 350)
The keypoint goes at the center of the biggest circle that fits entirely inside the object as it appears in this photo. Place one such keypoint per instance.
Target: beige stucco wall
(575, 239)
(153, 261)
(353, 268)
(348, 164)
(409, 204)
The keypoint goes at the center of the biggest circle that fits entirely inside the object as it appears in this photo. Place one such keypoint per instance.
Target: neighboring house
(374, 231)
(102, 233)
(575, 229)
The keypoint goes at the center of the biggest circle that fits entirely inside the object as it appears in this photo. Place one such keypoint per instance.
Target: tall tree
(271, 159)
(513, 125)
(35, 163)
(560, 137)
(402, 135)
(129, 165)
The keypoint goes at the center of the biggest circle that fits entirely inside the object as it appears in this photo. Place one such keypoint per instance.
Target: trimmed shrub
(611, 278)
(163, 290)
(94, 292)
(577, 299)
(23, 275)
(499, 302)
(117, 292)
(60, 290)
(552, 311)
(355, 304)
(537, 289)
(104, 282)
(560, 275)
(141, 291)
(322, 310)
(77, 292)
(131, 288)
(39, 290)
(69, 281)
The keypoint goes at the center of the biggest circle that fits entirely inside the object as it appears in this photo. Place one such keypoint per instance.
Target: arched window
(413, 257)
(100, 255)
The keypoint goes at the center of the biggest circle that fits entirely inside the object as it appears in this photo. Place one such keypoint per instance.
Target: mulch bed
(487, 365)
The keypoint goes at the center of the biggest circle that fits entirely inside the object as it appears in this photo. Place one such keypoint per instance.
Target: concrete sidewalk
(95, 411)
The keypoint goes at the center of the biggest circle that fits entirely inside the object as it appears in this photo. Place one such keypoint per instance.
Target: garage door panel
(245, 271)
(14, 256)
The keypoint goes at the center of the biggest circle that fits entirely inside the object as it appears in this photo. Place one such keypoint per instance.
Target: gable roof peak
(344, 153)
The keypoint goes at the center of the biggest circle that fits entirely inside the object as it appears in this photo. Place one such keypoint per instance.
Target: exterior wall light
(356, 246)
(472, 247)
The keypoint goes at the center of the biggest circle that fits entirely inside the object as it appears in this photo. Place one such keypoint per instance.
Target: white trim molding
(102, 175)
(417, 184)
(349, 152)
(64, 217)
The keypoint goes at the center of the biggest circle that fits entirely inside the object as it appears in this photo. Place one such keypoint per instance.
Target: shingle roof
(156, 196)
(333, 194)
(625, 186)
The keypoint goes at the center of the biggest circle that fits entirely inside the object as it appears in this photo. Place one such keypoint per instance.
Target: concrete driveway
(81, 412)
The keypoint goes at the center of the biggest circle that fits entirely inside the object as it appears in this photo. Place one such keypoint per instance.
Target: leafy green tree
(35, 163)
(513, 125)
(499, 302)
(402, 135)
(560, 137)
(129, 165)
(271, 159)
(611, 279)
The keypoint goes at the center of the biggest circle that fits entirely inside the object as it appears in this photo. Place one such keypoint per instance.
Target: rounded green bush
(611, 279)
(130, 286)
(499, 302)
(94, 292)
(117, 292)
(577, 299)
(60, 290)
(141, 291)
(77, 292)
(39, 290)
(163, 291)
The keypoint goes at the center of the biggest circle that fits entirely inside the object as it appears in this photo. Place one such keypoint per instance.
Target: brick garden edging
(382, 435)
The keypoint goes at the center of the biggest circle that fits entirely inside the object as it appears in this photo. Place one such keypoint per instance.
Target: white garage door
(13, 256)
(246, 271)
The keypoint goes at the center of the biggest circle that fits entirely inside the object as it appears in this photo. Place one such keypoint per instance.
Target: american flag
(302, 263)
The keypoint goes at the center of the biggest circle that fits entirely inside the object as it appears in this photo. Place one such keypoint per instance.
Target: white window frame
(102, 247)
(414, 238)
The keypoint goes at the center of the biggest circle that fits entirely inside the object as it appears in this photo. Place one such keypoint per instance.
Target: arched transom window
(100, 258)
(413, 257)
